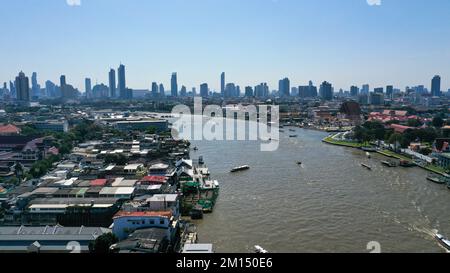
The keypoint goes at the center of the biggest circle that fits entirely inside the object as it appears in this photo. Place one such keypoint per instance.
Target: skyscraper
(12, 90)
(162, 92)
(248, 91)
(436, 86)
(183, 91)
(354, 90)
(379, 90)
(284, 87)
(112, 83)
(62, 81)
(50, 89)
(222, 84)
(174, 85)
(122, 82)
(230, 90)
(326, 91)
(22, 86)
(154, 89)
(88, 88)
(389, 91)
(35, 87)
(204, 90)
(365, 89)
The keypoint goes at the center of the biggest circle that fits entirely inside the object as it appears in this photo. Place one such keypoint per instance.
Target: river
(329, 204)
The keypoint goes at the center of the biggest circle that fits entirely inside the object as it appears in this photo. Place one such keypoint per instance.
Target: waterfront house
(147, 240)
(126, 223)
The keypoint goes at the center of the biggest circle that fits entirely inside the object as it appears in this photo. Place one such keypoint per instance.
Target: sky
(345, 42)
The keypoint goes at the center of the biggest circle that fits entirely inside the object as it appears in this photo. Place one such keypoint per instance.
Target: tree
(151, 130)
(395, 139)
(414, 123)
(103, 243)
(438, 122)
(425, 151)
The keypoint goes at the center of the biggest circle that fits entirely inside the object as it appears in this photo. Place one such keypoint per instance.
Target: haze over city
(400, 43)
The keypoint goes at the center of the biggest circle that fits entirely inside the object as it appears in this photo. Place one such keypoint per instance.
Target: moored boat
(407, 164)
(366, 166)
(241, 168)
(436, 179)
(389, 163)
(196, 212)
(369, 149)
(293, 136)
(368, 155)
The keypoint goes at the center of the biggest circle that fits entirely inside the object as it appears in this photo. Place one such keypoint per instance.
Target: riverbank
(330, 140)
(431, 168)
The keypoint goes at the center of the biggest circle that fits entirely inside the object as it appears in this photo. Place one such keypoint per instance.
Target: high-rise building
(62, 81)
(436, 86)
(230, 90)
(284, 87)
(112, 83)
(88, 88)
(174, 85)
(294, 91)
(379, 90)
(35, 87)
(50, 89)
(122, 84)
(354, 90)
(12, 90)
(222, 84)
(248, 91)
(365, 89)
(376, 98)
(100, 91)
(22, 86)
(162, 92)
(183, 91)
(204, 92)
(389, 91)
(326, 91)
(261, 90)
(67, 90)
(154, 89)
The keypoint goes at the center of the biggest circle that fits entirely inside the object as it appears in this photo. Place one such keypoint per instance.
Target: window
(161, 222)
(152, 222)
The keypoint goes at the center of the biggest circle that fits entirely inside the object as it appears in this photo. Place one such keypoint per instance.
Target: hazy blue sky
(400, 42)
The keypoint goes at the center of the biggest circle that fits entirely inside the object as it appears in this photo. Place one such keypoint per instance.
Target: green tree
(438, 122)
(414, 123)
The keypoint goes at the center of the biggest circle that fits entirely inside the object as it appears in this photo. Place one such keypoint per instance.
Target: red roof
(122, 213)
(9, 129)
(98, 182)
(156, 179)
(400, 128)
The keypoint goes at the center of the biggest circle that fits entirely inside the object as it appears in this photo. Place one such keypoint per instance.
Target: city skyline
(357, 44)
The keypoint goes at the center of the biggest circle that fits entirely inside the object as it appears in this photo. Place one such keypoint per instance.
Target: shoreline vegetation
(431, 168)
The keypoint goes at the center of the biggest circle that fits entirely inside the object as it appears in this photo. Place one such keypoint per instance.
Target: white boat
(259, 249)
(368, 154)
(443, 240)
